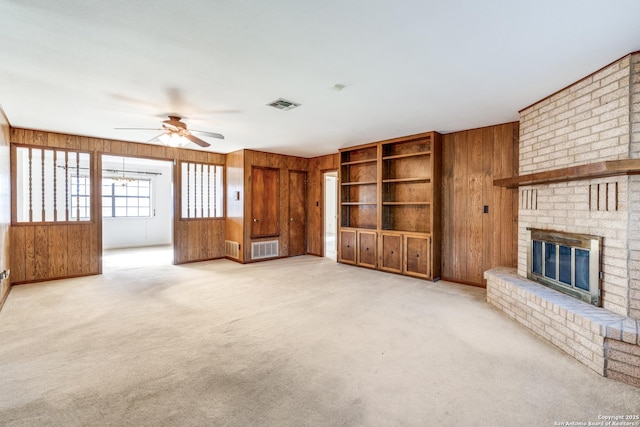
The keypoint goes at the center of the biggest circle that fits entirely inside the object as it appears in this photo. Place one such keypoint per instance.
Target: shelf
(405, 203)
(401, 180)
(360, 183)
(573, 173)
(357, 204)
(402, 156)
(359, 162)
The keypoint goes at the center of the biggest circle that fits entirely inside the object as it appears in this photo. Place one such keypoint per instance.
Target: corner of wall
(5, 203)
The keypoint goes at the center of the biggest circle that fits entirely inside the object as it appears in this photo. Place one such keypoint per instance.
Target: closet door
(297, 213)
(265, 202)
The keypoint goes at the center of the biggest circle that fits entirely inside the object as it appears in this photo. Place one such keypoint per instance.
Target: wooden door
(417, 251)
(347, 252)
(265, 202)
(367, 254)
(297, 213)
(391, 252)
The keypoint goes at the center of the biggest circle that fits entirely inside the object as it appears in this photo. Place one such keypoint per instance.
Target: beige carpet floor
(292, 342)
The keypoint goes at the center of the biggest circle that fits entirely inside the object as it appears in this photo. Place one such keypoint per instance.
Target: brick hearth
(604, 341)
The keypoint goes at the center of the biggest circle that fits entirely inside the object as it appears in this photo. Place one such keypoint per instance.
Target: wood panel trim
(573, 173)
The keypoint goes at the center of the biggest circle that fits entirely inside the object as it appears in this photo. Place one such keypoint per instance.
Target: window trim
(179, 186)
(14, 191)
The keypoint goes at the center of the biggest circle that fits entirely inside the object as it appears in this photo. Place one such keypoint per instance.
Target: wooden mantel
(573, 173)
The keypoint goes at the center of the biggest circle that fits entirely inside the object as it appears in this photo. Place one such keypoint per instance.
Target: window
(129, 199)
(202, 190)
(80, 197)
(52, 185)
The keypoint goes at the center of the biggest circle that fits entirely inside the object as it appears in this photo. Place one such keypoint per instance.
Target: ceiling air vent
(283, 104)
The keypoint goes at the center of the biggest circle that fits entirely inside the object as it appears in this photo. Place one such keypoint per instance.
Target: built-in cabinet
(347, 252)
(390, 204)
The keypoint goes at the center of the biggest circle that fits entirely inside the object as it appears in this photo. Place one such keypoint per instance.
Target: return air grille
(232, 249)
(283, 104)
(265, 249)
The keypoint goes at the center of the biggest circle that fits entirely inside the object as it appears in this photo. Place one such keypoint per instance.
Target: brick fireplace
(578, 173)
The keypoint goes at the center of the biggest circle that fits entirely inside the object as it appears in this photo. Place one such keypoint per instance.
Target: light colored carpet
(291, 342)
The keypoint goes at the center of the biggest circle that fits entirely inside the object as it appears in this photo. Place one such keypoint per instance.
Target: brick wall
(634, 193)
(633, 265)
(595, 119)
(623, 361)
(597, 207)
(635, 107)
(586, 122)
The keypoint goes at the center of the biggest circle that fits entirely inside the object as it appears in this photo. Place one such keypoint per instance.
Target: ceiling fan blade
(137, 129)
(209, 134)
(197, 140)
(155, 138)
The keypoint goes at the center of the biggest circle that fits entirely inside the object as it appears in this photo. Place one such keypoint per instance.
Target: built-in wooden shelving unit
(389, 205)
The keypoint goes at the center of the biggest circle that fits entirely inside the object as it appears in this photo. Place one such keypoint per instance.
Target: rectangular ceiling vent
(283, 104)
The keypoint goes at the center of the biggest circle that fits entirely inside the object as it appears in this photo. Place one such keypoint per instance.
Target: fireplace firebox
(566, 262)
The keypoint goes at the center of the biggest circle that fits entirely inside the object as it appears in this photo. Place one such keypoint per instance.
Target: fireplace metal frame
(573, 240)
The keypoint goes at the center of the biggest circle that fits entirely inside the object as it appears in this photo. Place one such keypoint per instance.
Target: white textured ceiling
(86, 67)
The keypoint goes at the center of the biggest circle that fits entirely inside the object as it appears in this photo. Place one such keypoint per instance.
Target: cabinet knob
(255, 219)
(366, 249)
(417, 255)
(391, 252)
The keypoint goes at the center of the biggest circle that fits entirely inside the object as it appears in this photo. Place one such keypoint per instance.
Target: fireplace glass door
(566, 262)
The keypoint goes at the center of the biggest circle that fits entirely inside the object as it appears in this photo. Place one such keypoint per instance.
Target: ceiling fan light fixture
(173, 139)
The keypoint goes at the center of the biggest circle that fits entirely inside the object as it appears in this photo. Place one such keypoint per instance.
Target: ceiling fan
(176, 134)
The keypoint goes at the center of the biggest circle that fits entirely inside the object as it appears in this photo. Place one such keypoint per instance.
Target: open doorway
(330, 214)
(137, 212)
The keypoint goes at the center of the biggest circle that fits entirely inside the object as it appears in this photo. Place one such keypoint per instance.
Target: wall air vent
(264, 249)
(283, 104)
(232, 249)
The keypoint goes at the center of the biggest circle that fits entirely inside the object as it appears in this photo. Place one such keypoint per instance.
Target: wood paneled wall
(5, 204)
(283, 164)
(238, 183)
(49, 251)
(315, 200)
(474, 241)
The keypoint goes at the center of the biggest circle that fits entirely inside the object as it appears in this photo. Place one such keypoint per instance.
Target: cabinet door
(265, 202)
(417, 251)
(391, 252)
(367, 254)
(347, 253)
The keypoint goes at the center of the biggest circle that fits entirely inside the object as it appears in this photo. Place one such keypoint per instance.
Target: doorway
(137, 212)
(330, 214)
